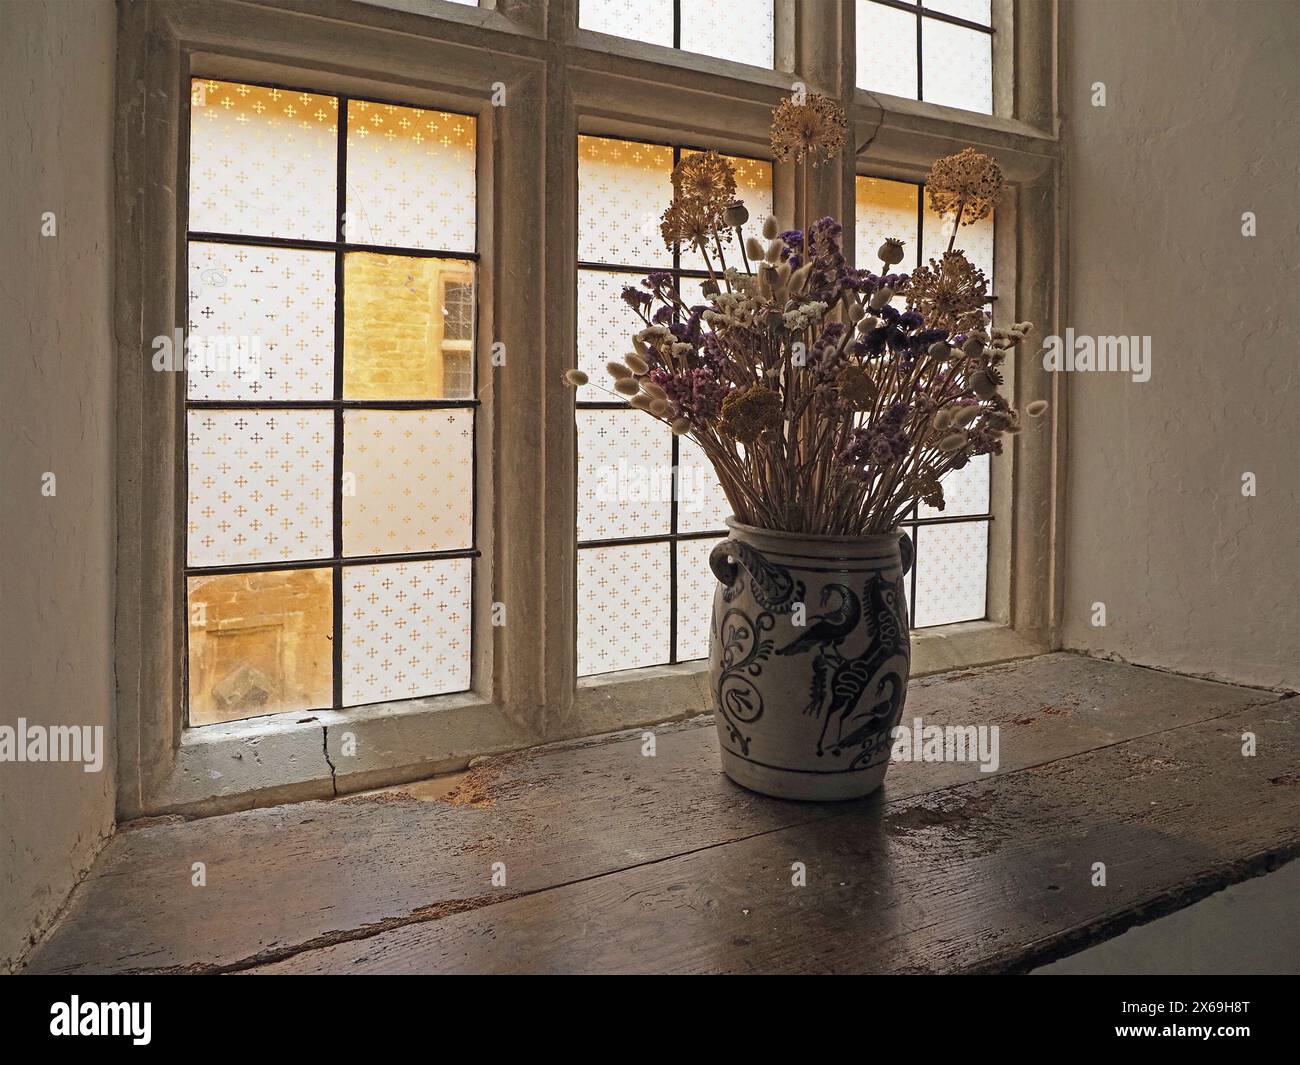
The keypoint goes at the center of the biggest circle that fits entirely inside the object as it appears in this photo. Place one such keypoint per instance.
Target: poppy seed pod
(891, 252)
(617, 370)
(635, 363)
(952, 441)
(880, 298)
(973, 346)
(625, 386)
(982, 385)
(1037, 408)
(736, 215)
(754, 248)
(771, 228)
(576, 378)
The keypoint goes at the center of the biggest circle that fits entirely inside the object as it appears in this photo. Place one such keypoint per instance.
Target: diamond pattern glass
(405, 630)
(401, 332)
(741, 32)
(623, 189)
(259, 486)
(965, 491)
(408, 481)
(951, 573)
(623, 607)
(275, 305)
(695, 587)
(975, 240)
(263, 162)
(635, 20)
(886, 50)
(701, 504)
(956, 66)
(971, 10)
(605, 327)
(410, 177)
(259, 643)
(885, 209)
(624, 475)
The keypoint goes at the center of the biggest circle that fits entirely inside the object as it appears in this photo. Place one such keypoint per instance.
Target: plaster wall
(1198, 127)
(56, 416)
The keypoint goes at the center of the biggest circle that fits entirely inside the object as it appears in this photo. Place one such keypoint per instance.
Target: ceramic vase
(808, 659)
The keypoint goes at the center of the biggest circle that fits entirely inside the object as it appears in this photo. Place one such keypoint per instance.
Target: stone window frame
(559, 82)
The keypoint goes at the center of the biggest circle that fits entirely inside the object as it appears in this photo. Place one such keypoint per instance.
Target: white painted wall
(56, 408)
(1199, 126)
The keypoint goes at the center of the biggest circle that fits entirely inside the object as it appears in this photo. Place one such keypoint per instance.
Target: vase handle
(722, 561)
(906, 551)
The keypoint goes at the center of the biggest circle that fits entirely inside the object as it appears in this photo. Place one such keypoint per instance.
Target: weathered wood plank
(288, 878)
(991, 876)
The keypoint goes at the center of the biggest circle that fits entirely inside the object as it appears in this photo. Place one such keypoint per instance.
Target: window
(649, 507)
(726, 29)
(940, 51)
(320, 511)
(330, 401)
(950, 572)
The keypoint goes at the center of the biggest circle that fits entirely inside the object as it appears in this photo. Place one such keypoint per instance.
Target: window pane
(636, 20)
(259, 643)
(605, 327)
(405, 630)
(623, 189)
(975, 240)
(885, 209)
(399, 328)
(275, 305)
(965, 491)
(695, 587)
(951, 572)
(623, 607)
(259, 485)
(701, 504)
(263, 162)
(408, 481)
(411, 177)
(727, 29)
(754, 187)
(625, 466)
(970, 10)
(957, 66)
(886, 49)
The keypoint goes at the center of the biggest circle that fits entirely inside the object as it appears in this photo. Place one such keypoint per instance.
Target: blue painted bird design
(853, 678)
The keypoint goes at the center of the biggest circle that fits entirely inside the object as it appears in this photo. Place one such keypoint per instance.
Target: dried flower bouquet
(823, 405)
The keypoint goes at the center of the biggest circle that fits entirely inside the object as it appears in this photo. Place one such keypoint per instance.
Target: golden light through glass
(407, 327)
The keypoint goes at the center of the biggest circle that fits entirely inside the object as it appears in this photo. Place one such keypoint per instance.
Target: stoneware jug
(808, 659)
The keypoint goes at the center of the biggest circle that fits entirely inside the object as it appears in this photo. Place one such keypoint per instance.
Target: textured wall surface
(56, 410)
(1198, 128)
